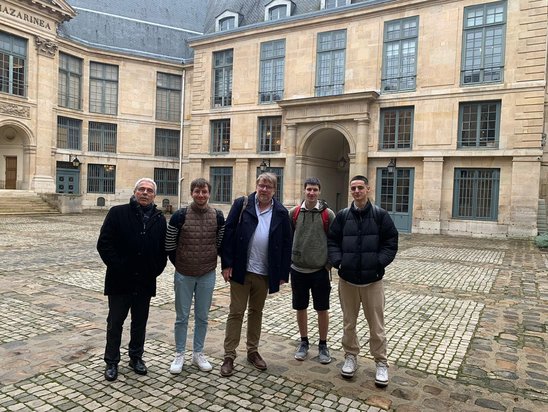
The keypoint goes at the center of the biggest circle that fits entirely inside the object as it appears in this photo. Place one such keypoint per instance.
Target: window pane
(167, 181)
(221, 184)
(103, 88)
(102, 137)
(220, 136)
(167, 143)
(400, 54)
(270, 134)
(476, 194)
(222, 73)
(396, 128)
(101, 178)
(69, 133)
(272, 68)
(479, 124)
(168, 97)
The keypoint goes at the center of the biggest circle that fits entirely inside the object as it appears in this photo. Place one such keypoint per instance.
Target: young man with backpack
(310, 269)
(194, 235)
(362, 242)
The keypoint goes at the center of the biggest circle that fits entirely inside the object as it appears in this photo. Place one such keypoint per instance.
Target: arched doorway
(13, 161)
(325, 155)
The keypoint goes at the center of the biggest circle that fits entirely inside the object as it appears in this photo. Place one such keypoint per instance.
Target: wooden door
(11, 172)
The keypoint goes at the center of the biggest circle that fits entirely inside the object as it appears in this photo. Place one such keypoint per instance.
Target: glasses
(355, 188)
(265, 187)
(145, 189)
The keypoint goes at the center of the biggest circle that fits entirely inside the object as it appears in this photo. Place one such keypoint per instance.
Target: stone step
(23, 202)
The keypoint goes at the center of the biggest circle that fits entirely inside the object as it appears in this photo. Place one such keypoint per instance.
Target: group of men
(260, 244)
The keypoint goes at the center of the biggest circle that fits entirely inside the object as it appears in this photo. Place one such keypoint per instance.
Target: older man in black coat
(131, 244)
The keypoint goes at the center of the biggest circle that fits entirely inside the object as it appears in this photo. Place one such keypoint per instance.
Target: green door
(68, 181)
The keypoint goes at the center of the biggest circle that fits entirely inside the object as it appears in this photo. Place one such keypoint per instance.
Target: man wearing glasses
(362, 242)
(131, 244)
(255, 258)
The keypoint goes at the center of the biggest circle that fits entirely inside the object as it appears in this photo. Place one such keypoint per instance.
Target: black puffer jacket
(133, 252)
(359, 246)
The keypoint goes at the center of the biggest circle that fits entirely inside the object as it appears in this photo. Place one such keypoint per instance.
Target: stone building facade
(442, 104)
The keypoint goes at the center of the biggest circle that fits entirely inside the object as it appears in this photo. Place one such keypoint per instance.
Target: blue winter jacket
(235, 245)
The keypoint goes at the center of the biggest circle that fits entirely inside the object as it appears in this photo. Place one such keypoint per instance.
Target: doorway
(394, 193)
(11, 172)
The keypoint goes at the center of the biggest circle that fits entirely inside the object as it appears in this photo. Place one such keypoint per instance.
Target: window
(330, 63)
(168, 97)
(476, 194)
(483, 43)
(101, 178)
(222, 73)
(399, 70)
(270, 134)
(167, 181)
(102, 137)
(272, 71)
(396, 128)
(331, 4)
(221, 184)
(70, 82)
(166, 143)
(103, 88)
(279, 172)
(13, 61)
(278, 9)
(227, 20)
(395, 190)
(227, 23)
(220, 136)
(479, 124)
(69, 133)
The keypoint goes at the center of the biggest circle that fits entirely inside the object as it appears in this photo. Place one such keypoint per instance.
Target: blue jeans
(202, 289)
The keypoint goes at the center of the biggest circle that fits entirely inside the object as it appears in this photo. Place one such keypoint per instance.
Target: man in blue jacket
(255, 258)
(131, 244)
(362, 242)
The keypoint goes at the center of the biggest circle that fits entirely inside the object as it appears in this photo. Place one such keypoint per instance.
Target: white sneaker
(177, 364)
(201, 362)
(349, 367)
(381, 377)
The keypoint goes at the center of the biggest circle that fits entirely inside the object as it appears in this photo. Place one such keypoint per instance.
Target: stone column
(29, 156)
(241, 178)
(524, 195)
(291, 186)
(430, 220)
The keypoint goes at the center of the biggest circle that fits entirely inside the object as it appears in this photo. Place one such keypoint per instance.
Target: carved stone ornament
(45, 46)
(15, 110)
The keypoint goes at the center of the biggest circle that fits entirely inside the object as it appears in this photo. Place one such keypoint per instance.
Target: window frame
(272, 71)
(479, 120)
(330, 56)
(277, 6)
(221, 178)
(105, 132)
(485, 33)
(73, 130)
(398, 111)
(169, 88)
(68, 94)
(474, 192)
(266, 142)
(396, 43)
(333, 4)
(227, 16)
(167, 181)
(104, 182)
(223, 61)
(220, 136)
(104, 99)
(12, 55)
(166, 143)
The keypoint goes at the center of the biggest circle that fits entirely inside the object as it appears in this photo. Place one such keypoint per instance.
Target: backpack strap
(325, 220)
(296, 215)
(181, 223)
(244, 205)
(220, 228)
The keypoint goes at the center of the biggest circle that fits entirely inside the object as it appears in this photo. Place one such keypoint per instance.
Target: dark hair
(199, 182)
(313, 181)
(360, 177)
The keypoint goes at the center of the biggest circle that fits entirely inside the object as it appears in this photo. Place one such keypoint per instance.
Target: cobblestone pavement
(466, 326)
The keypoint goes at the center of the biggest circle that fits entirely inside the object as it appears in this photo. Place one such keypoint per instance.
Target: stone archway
(325, 153)
(17, 149)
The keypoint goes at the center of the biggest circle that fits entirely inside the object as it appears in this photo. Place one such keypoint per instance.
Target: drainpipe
(181, 178)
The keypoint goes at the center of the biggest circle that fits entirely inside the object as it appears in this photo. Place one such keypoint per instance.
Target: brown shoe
(256, 360)
(227, 369)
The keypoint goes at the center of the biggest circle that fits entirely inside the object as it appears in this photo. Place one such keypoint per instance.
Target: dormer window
(331, 4)
(227, 20)
(278, 9)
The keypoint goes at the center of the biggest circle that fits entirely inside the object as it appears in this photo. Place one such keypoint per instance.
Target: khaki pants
(371, 298)
(254, 290)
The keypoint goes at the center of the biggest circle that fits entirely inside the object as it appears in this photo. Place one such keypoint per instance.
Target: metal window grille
(221, 184)
(102, 137)
(220, 136)
(476, 193)
(69, 133)
(168, 97)
(222, 73)
(272, 67)
(330, 63)
(103, 88)
(396, 128)
(101, 178)
(167, 181)
(270, 134)
(13, 62)
(70, 82)
(479, 124)
(166, 143)
(400, 54)
(483, 43)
